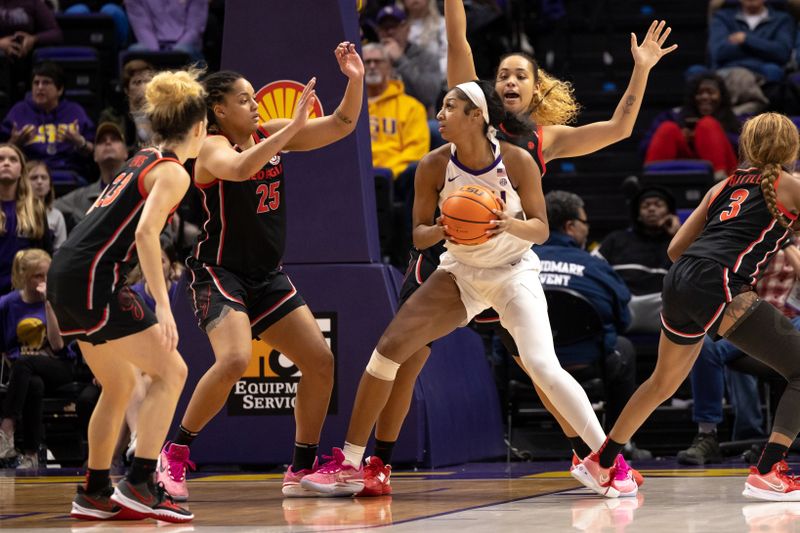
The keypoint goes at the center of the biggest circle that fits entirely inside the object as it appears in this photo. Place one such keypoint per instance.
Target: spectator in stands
(711, 372)
(418, 68)
(160, 25)
(110, 153)
(426, 28)
(639, 254)
(25, 24)
(135, 75)
(398, 122)
(703, 128)
(117, 14)
(566, 264)
(49, 128)
(32, 342)
(754, 37)
(23, 221)
(42, 187)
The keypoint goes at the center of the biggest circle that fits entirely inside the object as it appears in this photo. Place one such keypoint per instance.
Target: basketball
(467, 214)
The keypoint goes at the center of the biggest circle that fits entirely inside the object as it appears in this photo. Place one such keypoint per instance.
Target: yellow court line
(237, 477)
(49, 479)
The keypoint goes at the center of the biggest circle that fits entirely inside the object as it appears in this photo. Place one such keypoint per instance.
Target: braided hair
(770, 141)
(217, 85)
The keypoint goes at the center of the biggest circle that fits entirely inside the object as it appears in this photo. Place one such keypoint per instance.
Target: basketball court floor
(531, 497)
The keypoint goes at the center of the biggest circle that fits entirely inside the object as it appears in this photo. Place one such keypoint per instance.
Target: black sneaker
(151, 500)
(98, 506)
(704, 449)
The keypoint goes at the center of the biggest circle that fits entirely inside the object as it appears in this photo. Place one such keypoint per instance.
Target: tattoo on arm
(629, 101)
(341, 116)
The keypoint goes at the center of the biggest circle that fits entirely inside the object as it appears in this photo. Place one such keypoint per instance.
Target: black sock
(184, 437)
(141, 470)
(96, 480)
(304, 455)
(608, 453)
(580, 448)
(383, 450)
(773, 453)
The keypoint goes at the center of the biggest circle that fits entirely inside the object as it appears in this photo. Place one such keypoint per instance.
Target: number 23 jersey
(245, 223)
(740, 232)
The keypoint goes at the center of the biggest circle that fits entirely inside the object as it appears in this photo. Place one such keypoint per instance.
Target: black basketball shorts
(124, 313)
(695, 294)
(265, 301)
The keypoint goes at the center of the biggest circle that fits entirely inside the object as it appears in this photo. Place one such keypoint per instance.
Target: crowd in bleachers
(72, 76)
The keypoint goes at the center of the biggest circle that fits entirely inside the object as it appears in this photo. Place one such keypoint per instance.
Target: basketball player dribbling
(237, 286)
(501, 273)
(529, 92)
(117, 333)
(720, 250)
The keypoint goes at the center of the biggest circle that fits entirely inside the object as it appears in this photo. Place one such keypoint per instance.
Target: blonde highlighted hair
(554, 101)
(174, 102)
(770, 142)
(31, 214)
(24, 262)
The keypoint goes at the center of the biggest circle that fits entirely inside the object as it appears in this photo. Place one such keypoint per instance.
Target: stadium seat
(687, 179)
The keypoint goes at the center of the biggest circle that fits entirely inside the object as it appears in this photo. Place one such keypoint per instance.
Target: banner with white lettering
(269, 385)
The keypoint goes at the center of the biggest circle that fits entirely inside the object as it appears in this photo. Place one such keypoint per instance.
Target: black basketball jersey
(100, 250)
(531, 143)
(740, 232)
(245, 226)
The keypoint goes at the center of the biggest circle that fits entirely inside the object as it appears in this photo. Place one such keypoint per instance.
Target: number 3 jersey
(740, 232)
(245, 226)
(100, 250)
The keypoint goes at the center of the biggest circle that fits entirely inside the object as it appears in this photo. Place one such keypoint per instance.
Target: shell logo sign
(279, 98)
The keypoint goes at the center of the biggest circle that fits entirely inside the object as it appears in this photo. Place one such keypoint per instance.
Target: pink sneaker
(335, 478)
(291, 482)
(171, 470)
(377, 478)
(637, 477)
(611, 483)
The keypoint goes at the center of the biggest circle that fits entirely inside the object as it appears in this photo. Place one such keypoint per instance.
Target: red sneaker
(777, 485)
(377, 480)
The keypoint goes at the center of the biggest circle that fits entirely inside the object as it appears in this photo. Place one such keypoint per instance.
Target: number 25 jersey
(740, 232)
(245, 223)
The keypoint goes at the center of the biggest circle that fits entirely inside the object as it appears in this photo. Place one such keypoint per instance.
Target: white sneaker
(7, 450)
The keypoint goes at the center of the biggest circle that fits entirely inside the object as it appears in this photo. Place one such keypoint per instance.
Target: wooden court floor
(490, 499)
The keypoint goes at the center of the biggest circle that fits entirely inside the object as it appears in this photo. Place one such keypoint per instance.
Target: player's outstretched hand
(652, 48)
(305, 104)
(349, 61)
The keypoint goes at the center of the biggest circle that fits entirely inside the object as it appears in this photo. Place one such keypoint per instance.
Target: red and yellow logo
(279, 98)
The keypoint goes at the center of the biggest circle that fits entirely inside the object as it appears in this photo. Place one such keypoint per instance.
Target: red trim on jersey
(540, 135)
(418, 271)
(194, 293)
(263, 132)
(680, 333)
(769, 254)
(148, 168)
(94, 329)
(274, 307)
(218, 283)
(753, 245)
(222, 223)
(205, 224)
(782, 208)
(725, 285)
(101, 251)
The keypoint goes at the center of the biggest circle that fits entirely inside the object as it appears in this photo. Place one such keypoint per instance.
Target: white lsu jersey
(503, 249)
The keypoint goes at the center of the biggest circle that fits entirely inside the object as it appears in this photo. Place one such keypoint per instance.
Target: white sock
(707, 427)
(353, 455)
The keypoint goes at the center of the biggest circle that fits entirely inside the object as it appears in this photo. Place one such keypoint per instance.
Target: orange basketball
(467, 214)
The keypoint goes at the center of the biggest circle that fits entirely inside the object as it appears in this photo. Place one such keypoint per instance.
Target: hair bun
(172, 89)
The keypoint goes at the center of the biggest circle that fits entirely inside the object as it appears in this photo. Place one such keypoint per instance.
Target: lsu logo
(279, 98)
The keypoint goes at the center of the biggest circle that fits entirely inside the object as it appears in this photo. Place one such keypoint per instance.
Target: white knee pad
(382, 367)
